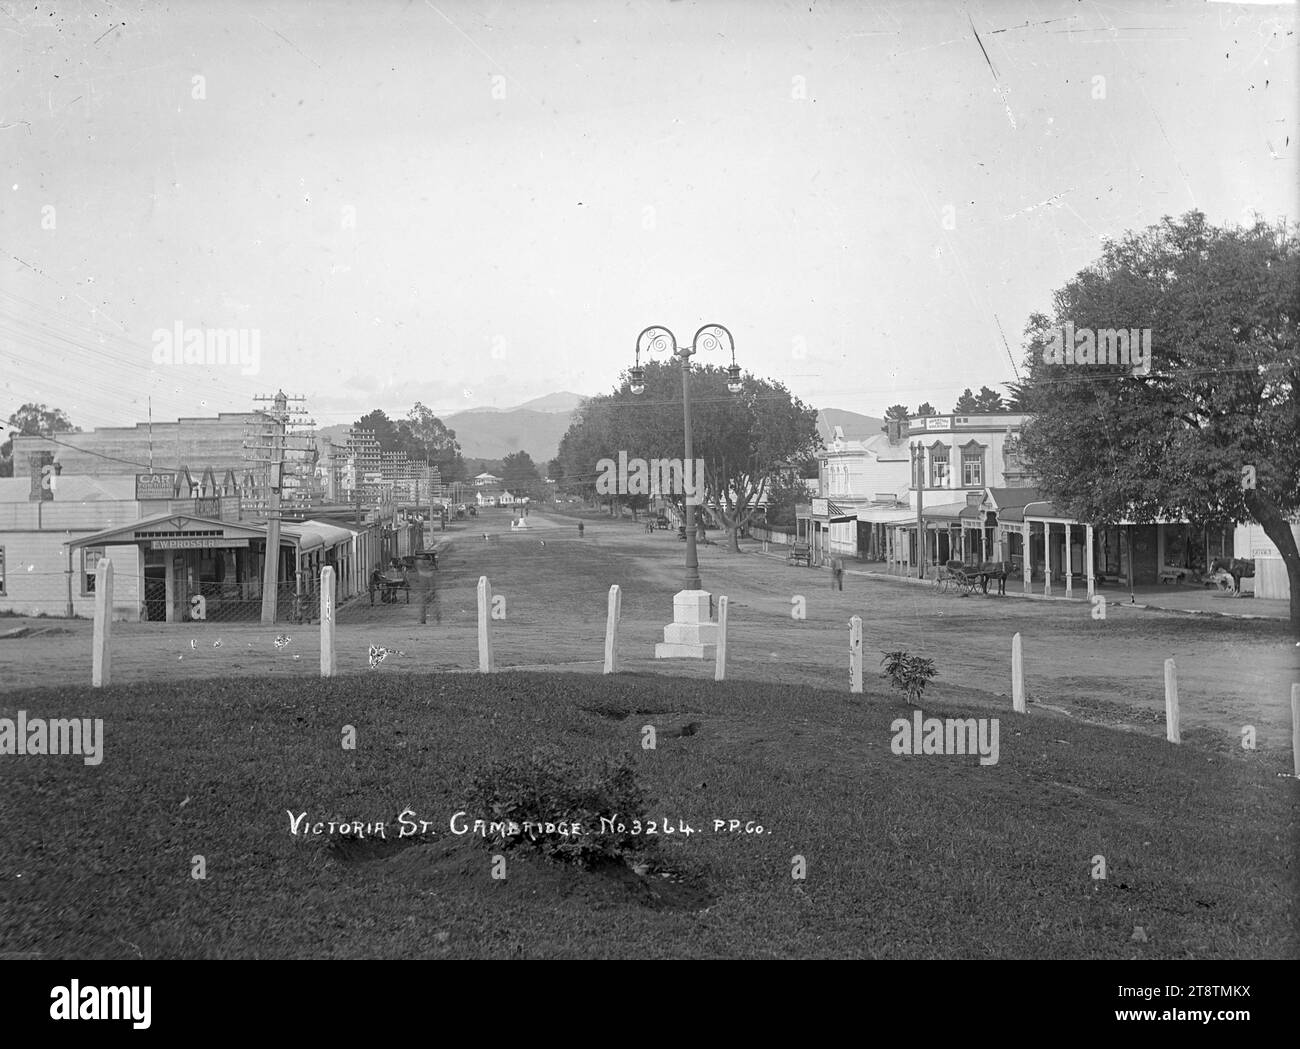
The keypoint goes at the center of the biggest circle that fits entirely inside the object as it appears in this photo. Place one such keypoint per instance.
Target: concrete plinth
(691, 634)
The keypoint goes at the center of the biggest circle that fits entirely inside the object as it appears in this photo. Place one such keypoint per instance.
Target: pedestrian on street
(579, 529)
(837, 574)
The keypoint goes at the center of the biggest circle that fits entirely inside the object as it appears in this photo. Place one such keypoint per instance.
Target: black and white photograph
(491, 480)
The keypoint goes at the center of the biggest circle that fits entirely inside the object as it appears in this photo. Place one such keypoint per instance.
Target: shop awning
(948, 512)
(314, 535)
(886, 514)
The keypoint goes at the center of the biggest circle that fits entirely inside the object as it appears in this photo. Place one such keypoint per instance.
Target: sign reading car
(154, 486)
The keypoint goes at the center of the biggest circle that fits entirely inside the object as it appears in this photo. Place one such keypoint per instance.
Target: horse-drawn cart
(966, 579)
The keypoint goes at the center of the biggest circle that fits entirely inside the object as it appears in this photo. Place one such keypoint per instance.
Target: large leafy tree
(425, 436)
(384, 428)
(519, 474)
(32, 420)
(988, 401)
(742, 438)
(1110, 443)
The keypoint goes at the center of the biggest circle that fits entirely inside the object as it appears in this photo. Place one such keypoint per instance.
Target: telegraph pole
(271, 573)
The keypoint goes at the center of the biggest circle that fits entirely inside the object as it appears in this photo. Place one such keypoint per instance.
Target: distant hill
(856, 427)
(553, 402)
(537, 426)
(495, 434)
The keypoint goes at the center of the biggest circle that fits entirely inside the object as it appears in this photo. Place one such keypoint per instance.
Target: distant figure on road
(837, 574)
(579, 529)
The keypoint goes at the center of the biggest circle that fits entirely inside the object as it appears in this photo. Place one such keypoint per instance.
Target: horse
(1238, 567)
(994, 570)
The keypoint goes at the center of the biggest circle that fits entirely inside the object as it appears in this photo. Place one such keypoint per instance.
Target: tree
(896, 411)
(926, 409)
(33, 420)
(741, 438)
(783, 493)
(427, 437)
(966, 403)
(384, 428)
(584, 444)
(1018, 397)
(1112, 442)
(989, 401)
(519, 473)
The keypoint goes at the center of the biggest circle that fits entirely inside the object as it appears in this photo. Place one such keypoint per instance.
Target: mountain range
(537, 426)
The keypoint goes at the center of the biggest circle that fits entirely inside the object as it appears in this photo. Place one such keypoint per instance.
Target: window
(972, 465)
(939, 466)
(90, 558)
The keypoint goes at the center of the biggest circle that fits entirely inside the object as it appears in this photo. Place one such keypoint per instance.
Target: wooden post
(1025, 567)
(101, 672)
(328, 663)
(1171, 702)
(486, 665)
(855, 654)
(1295, 727)
(720, 667)
(1069, 566)
(1089, 559)
(611, 629)
(1017, 675)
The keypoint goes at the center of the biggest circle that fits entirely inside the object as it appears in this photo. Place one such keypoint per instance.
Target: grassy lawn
(907, 856)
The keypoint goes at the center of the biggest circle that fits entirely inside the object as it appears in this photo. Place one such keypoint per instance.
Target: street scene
(679, 481)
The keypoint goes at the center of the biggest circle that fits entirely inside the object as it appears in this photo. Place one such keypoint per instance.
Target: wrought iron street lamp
(710, 337)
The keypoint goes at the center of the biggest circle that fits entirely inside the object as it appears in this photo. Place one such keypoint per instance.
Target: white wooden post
(1069, 566)
(328, 662)
(1025, 570)
(101, 672)
(1295, 727)
(486, 665)
(1017, 675)
(855, 654)
(611, 629)
(1171, 702)
(720, 666)
(1088, 562)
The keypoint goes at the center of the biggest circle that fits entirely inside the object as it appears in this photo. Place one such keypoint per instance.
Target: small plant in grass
(548, 787)
(908, 673)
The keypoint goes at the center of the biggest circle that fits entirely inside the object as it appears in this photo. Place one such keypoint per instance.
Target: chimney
(42, 489)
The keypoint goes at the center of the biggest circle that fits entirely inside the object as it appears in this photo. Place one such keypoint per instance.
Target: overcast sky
(480, 203)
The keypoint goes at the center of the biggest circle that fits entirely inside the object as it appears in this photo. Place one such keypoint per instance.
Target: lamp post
(656, 339)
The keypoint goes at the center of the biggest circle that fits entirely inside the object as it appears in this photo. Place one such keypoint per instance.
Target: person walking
(837, 574)
(579, 529)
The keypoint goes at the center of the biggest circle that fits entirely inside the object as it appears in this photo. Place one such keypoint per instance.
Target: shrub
(550, 788)
(908, 673)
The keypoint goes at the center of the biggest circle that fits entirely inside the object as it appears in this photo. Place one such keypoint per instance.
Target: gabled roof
(172, 523)
(1005, 498)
